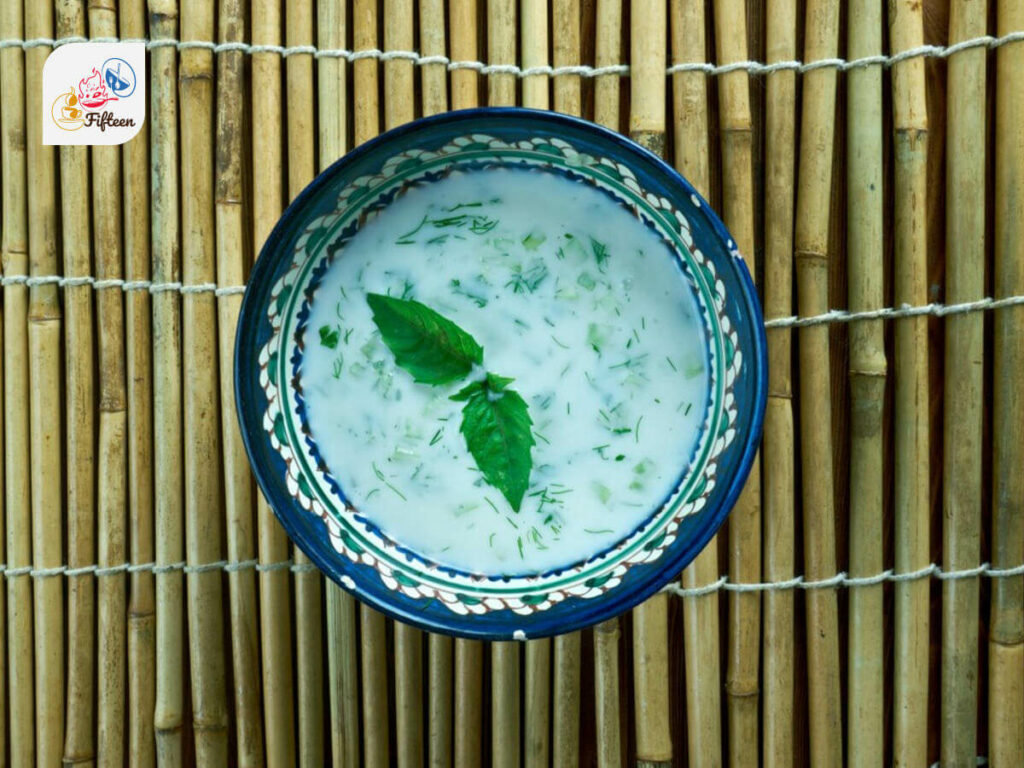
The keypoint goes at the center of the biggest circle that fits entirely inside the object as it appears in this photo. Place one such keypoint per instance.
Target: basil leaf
(429, 346)
(497, 428)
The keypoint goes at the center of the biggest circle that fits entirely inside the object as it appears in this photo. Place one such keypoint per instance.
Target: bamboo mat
(864, 605)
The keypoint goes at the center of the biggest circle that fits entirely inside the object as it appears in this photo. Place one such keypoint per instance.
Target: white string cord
(843, 580)
(752, 67)
(832, 316)
(722, 584)
(113, 570)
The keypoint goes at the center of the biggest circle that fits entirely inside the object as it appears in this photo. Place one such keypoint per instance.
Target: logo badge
(94, 93)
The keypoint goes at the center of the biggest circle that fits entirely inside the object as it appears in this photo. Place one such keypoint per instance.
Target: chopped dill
(519, 543)
(555, 339)
(529, 280)
(491, 504)
(380, 476)
(673, 365)
(541, 437)
(630, 363)
(598, 530)
(437, 437)
(636, 429)
(512, 522)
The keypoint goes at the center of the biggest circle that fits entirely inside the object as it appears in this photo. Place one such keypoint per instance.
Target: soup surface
(570, 295)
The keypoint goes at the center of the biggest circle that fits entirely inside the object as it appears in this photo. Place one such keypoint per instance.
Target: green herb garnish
(329, 336)
(430, 347)
(495, 419)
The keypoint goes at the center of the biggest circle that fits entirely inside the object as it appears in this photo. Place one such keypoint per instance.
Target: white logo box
(94, 93)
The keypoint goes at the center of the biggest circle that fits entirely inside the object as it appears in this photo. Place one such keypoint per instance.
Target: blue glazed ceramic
(309, 502)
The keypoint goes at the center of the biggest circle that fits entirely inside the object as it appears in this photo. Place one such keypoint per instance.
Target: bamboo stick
(504, 656)
(238, 494)
(501, 51)
(565, 18)
(812, 266)
(779, 469)
(462, 24)
(607, 53)
(17, 491)
(408, 660)
(308, 590)
(606, 694)
(79, 744)
(608, 731)
(343, 676)
(364, 71)
(203, 485)
(433, 80)
(440, 717)
(505, 705)
(272, 543)
(468, 702)
(700, 613)
(373, 636)
(534, 34)
(3, 497)
(373, 630)
(112, 459)
(742, 691)
(565, 742)
(648, 26)
(912, 507)
(139, 372)
(566, 693)
(964, 384)
(168, 719)
(648, 30)
(434, 92)
(536, 737)
(399, 108)
(342, 640)
(1006, 635)
(866, 685)
(45, 443)
(650, 682)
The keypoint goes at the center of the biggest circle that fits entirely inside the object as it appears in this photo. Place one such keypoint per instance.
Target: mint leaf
(429, 346)
(329, 336)
(493, 383)
(497, 428)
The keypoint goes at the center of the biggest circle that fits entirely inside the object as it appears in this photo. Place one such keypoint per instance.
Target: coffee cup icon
(67, 112)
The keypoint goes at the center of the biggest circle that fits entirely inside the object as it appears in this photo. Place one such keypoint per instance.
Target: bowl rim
(595, 610)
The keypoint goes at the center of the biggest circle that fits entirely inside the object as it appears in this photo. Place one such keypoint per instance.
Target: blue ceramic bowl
(308, 500)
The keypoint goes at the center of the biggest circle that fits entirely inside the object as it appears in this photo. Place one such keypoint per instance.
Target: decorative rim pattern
(311, 505)
(310, 482)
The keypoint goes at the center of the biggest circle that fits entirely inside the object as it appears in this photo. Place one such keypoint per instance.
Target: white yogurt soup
(570, 295)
